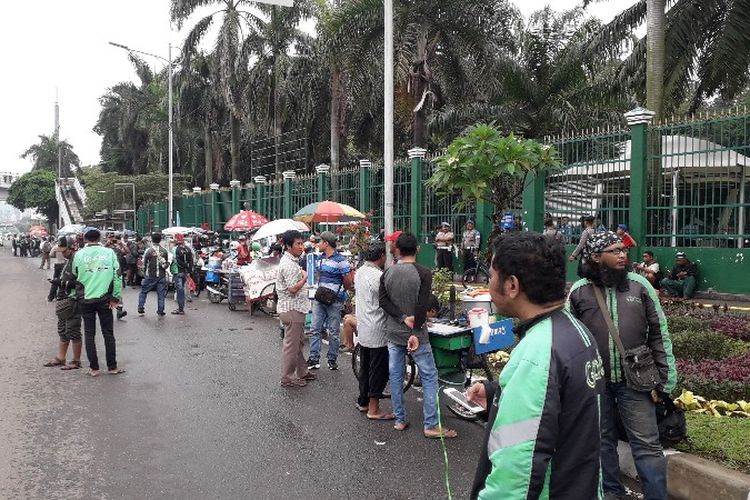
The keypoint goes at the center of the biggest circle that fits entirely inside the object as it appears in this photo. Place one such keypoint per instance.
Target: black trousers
(373, 373)
(445, 259)
(89, 312)
(470, 262)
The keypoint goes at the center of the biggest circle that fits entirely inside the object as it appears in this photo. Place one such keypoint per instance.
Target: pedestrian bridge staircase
(71, 198)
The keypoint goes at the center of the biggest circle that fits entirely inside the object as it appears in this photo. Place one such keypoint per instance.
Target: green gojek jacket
(636, 312)
(543, 437)
(98, 270)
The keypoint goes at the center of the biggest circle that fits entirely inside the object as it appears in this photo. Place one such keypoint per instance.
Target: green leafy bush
(698, 344)
(723, 440)
(711, 388)
(679, 324)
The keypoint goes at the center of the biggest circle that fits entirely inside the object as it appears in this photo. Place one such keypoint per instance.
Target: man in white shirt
(444, 246)
(373, 346)
(649, 268)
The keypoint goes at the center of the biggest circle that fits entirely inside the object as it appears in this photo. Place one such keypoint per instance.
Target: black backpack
(671, 421)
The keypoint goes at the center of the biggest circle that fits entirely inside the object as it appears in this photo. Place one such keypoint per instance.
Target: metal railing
(698, 183)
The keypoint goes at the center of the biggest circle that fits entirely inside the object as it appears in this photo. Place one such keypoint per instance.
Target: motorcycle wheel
(214, 298)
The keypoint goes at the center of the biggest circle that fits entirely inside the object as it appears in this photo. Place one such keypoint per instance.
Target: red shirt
(628, 241)
(243, 255)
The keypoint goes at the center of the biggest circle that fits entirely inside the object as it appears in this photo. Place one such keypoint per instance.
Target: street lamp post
(170, 65)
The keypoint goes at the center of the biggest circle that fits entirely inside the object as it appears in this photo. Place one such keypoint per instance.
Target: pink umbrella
(246, 220)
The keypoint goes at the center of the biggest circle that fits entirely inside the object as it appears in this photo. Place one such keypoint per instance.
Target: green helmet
(256, 246)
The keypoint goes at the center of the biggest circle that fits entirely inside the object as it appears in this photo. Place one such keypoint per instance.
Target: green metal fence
(595, 182)
(304, 191)
(698, 173)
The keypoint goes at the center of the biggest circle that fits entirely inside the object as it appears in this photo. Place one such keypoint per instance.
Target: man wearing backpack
(155, 262)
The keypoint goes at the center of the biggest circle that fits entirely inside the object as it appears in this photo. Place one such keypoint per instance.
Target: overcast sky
(49, 44)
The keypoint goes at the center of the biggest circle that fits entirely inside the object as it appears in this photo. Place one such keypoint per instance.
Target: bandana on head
(598, 242)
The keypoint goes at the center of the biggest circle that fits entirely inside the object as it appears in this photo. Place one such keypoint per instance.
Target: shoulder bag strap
(608, 319)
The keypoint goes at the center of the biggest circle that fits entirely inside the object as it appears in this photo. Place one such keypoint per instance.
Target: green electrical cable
(442, 442)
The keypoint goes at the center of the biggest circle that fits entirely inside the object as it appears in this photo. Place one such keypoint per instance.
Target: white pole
(675, 211)
(171, 165)
(59, 156)
(388, 123)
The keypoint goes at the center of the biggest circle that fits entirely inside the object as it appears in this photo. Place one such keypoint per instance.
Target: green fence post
(322, 171)
(214, 201)
(235, 185)
(416, 155)
(197, 198)
(638, 121)
(260, 187)
(364, 185)
(533, 202)
(484, 221)
(289, 177)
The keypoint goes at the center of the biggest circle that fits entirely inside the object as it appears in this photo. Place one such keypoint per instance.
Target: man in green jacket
(97, 271)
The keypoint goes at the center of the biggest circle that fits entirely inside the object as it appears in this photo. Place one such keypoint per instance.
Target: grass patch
(721, 439)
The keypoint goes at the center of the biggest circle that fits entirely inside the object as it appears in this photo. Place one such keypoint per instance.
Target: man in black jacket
(155, 262)
(681, 281)
(182, 265)
(542, 437)
(636, 315)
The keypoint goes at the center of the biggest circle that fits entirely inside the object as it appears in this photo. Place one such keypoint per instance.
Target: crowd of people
(538, 438)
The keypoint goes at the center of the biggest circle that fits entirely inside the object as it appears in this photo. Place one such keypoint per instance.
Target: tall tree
(706, 49)
(438, 46)
(35, 190)
(44, 155)
(542, 83)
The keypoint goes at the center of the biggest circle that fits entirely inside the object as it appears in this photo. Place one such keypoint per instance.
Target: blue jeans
(427, 374)
(639, 419)
(149, 284)
(329, 318)
(179, 286)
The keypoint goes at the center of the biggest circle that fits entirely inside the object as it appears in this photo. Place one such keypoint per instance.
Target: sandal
(72, 365)
(116, 371)
(440, 433)
(401, 426)
(309, 376)
(55, 362)
(94, 373)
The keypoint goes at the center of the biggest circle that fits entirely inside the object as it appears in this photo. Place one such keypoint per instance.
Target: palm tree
(542, 84)
(438, 46)
(232, 62)
(44, 155)
(706, 50)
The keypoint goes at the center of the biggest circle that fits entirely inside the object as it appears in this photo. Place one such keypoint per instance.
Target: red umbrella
(246, 220)
(39, 231)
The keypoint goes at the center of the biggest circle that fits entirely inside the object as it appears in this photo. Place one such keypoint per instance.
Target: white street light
(388, 123)
(170, 65)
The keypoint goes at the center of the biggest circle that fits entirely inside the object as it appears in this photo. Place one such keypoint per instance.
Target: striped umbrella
(328, 211)
(246, 220)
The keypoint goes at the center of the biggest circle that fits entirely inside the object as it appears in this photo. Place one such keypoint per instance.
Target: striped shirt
(332, 271)
(370, 316)
(289, 273)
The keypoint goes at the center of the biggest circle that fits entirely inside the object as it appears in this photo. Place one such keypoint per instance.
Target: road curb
(691, 477)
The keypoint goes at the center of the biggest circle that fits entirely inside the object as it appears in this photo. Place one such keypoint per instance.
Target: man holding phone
(405, 291)
(543, 435)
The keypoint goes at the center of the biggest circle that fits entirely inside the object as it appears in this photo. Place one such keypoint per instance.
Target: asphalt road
(199, 414)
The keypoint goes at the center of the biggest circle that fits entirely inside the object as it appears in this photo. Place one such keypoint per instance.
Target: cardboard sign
(501, 337)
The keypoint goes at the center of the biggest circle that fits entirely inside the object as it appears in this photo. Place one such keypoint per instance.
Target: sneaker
(161, 313)
(332, 365)
(313, 364)
(177, 311)
(141, 312)
(121, 314)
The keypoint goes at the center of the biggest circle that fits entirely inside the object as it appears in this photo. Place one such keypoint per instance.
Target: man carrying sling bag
(621, 309)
